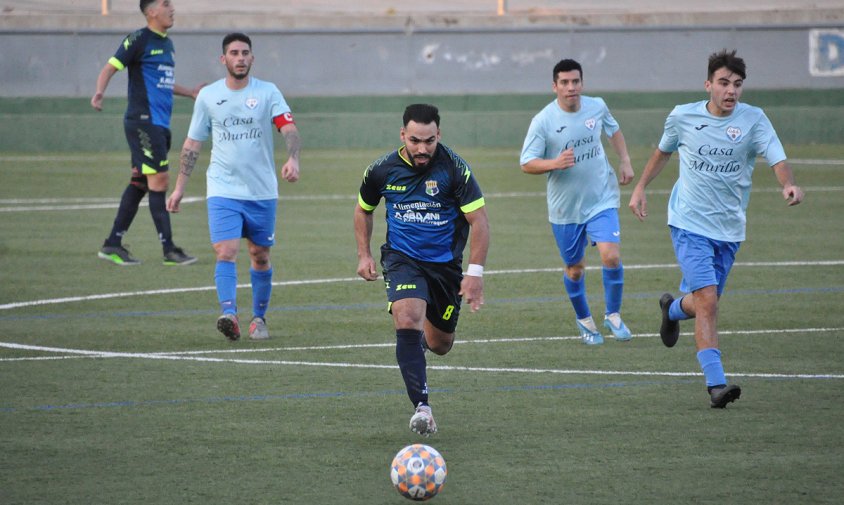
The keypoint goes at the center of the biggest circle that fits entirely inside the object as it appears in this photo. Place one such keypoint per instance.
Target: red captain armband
(283, 119)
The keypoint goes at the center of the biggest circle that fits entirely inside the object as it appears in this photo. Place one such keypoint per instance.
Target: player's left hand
(290, 171)
(472, 290)
(625, 173)
(173, 202)
(793, 194)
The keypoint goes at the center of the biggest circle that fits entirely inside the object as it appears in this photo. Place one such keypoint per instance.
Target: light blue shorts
(572, 239)
(703, 261)
(234, 219)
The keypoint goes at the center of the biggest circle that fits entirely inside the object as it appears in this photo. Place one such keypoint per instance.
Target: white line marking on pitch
(192, 356)
(105, 296)
(476, 341)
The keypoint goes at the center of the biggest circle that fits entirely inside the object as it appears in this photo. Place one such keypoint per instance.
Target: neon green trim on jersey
(114, 62)
(365, 206)
(401, 151)
(148, 170)
(164, 163)
(473, 206)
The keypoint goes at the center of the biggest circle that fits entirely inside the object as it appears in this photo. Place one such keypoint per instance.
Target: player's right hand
(565, 159)
(97, 101)
(638, 203)
(367, 270)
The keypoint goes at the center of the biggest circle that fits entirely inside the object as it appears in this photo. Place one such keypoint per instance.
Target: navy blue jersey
(424, 210)
(149, 57)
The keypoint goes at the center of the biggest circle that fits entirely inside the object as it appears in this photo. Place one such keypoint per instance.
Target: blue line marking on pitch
(337, 394)
(380, 305)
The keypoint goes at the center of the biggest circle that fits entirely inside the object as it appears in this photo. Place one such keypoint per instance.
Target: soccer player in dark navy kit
(148, 54)
(433, 205)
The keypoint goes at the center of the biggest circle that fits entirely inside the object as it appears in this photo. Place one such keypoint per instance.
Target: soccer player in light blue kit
(718, 140)
(564, 142)
(240, 112)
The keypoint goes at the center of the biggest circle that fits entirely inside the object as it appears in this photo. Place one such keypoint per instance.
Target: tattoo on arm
(291, 138)
(188, 161)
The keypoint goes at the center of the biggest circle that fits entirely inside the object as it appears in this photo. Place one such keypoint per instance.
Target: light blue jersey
(576, 194)
(717, 156)
(242, 164)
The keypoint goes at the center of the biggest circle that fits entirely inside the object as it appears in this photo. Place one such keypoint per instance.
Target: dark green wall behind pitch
(61, 125)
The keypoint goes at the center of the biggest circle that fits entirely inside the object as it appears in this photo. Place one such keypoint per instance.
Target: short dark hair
(566, 66)
(236, 37)
(729, 60)
(145, 4)
(421, 113)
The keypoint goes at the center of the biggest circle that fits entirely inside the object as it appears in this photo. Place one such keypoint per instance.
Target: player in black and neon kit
(148, 55)
(433, 206)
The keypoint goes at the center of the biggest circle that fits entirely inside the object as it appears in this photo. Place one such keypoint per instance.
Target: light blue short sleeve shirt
(579, 193)
(239, 123)
(717, 157)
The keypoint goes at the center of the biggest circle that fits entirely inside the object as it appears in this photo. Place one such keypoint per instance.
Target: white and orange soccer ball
(418, 472)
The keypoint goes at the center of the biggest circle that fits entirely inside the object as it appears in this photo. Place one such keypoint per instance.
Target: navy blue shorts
(436, 283)
(149, 145)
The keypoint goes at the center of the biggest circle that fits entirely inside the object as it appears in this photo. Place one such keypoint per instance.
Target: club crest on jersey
(734, 133)
(590, 123)
(251, 102)
(431, 188)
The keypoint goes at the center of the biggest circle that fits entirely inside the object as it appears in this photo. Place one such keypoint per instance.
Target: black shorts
(436, 283)
(149, 145)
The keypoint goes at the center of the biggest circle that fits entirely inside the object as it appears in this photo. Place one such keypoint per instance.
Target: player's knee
(441, 346)
(574, 272)
(225, 252)
(260, 256)
(403, 319)
(611, 260)
(140, 183)
(261, 263)
(158, 182)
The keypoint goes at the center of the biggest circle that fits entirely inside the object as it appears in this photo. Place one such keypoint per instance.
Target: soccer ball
(418, 472)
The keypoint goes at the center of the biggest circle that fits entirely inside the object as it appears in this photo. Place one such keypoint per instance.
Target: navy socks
(129, 203)
(411, 359)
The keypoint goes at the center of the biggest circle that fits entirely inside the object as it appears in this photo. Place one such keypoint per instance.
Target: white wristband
(475, 270)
